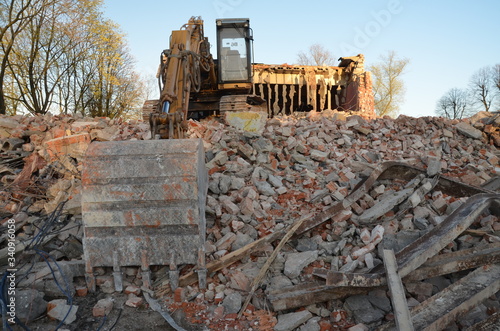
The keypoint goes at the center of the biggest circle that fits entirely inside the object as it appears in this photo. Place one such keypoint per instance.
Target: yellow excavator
(193, 85)
(143, 202)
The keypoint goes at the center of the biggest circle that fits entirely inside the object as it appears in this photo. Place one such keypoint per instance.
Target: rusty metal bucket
(143, 204)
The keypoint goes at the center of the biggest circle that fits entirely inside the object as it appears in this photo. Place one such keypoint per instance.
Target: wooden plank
(310, 293)
(448, 263)
(337, 278)
(441, 309)
(398, 298)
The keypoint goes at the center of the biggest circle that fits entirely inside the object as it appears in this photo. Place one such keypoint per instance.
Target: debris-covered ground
(322, 182)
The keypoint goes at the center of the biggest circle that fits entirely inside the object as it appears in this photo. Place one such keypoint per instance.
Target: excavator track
(241, 102)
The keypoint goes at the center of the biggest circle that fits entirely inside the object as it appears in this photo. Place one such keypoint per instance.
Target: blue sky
(446, 41)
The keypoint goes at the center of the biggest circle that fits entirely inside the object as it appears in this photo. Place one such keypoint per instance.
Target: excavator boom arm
(179, 73)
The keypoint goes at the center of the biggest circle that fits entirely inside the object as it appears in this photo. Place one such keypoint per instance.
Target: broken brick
(103, 307)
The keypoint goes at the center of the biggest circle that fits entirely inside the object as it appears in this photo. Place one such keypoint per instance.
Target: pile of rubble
(301, 222)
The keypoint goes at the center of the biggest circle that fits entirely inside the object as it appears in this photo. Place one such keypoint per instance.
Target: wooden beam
(441, 309)
(448, 263)
(398, 298)
(415, 254)
(457, 299)
(310, 293)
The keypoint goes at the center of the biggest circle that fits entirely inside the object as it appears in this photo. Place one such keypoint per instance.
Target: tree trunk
(3, 107)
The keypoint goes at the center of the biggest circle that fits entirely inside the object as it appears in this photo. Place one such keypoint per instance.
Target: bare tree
(115, 88)
(151, 87)
(388, 87)
(70, 58)
(455, 104)
(15, 15)
(316, 56)
(35, 59)
(10, 90)
(482, 88)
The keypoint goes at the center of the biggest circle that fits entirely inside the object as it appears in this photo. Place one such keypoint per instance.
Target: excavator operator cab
(234, 38)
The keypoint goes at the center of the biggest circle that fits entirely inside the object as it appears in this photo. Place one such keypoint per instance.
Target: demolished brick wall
(359, 95)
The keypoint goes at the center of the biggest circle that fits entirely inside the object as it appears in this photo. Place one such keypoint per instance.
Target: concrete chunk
(232, 303)
(288, 322)
(319, 155)
(468, 130)
(295, 262)
(384, 206)
(102, 307)
(60, 310)
(264, 188)
(30, 304)
(8, 123)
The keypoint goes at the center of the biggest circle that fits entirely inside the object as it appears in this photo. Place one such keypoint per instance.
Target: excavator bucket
(143, 204)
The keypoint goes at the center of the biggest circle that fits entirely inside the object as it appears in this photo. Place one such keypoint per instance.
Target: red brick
(240, 281)
(274, 163)
(134, 301)
(219, 297)
(179, 294)
(218, 313)
(325, 325)
(81, 291)
(332, 186)
(58, 132)
(232, 316)
(74, 145)
(342, 216)
(246, 206)
(100, 280)
(132, 290)
(216, 169)
(357, 208)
